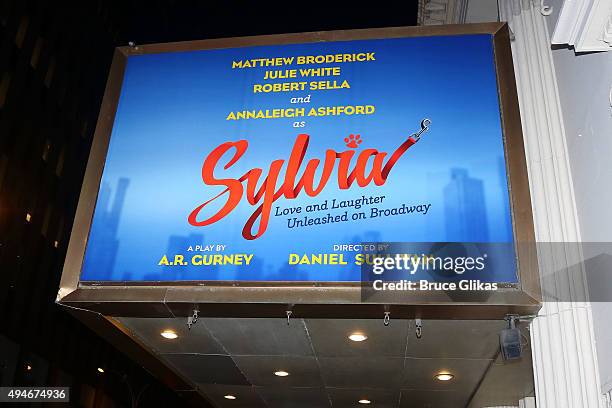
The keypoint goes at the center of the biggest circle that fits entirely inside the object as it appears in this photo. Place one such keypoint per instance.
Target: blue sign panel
(276, 163)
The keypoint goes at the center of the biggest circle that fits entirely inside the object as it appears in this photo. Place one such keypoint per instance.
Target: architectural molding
(528, 402)
(585, 24)
(562, 336)
(437, 12)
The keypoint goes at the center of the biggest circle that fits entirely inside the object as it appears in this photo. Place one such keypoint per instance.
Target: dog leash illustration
(412, 140)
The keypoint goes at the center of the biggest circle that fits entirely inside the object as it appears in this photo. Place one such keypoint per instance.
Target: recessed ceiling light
(358, 337)
(229, 397)
(100, 370)
(169, 334)
(364, 401)
(281, 373)
(444, 376)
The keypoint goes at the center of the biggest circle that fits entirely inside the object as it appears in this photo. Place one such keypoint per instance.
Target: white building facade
(563, 70)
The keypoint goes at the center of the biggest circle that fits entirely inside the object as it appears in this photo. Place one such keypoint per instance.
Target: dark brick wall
(54, 61)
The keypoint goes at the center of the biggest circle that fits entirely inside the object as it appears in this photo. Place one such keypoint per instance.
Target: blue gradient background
(172, 112)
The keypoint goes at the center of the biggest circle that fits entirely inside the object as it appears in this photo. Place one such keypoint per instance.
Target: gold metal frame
(168, 299)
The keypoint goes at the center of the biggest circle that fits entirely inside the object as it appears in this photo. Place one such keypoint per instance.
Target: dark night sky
(161, 21)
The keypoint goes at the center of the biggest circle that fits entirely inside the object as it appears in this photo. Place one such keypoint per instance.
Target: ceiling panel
(433, 399)
(260, 336)
(369, 372)
(504, 381)
(197, 340)
(348, 397)
(280, 397)
(246, 396)
(420, 372)
(456, 339)
(259, 370)
(238, 356)
(330, 337)
(207, 369)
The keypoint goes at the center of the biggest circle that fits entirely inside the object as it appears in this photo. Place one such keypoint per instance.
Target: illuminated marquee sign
(296, 159)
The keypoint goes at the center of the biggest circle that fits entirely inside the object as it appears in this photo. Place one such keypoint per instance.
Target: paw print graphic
(353, 141)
